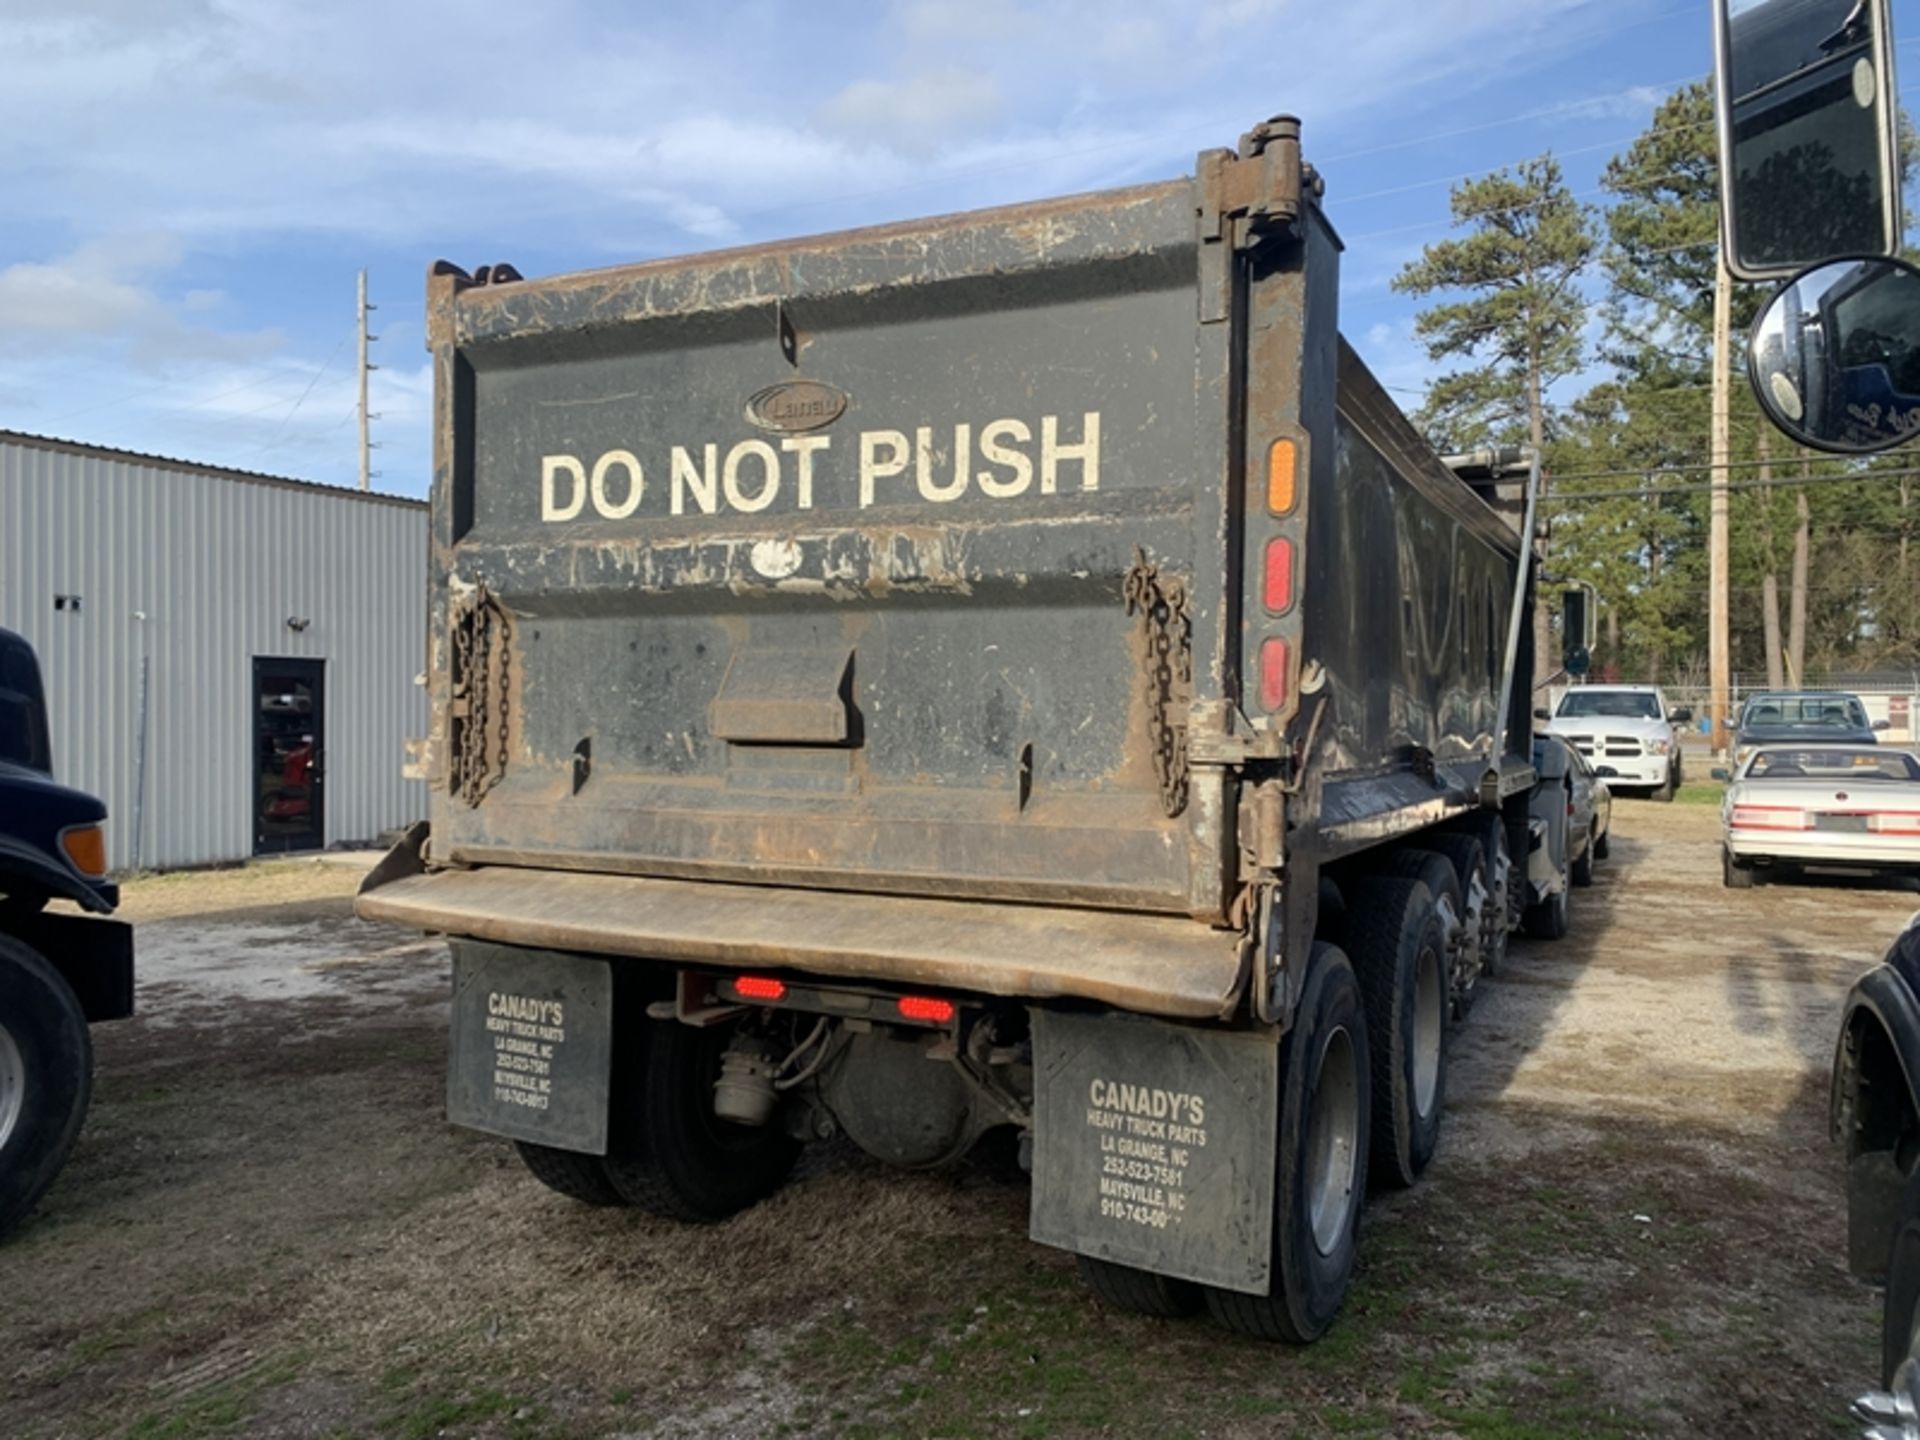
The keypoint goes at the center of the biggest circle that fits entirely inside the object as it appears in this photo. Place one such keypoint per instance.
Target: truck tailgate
(867, 562)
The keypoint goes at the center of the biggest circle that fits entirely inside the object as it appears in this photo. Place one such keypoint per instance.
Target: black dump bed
(934, 561)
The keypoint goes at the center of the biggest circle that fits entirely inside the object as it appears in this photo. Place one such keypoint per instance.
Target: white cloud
(95, 290)
(185, 178)
(916, 112)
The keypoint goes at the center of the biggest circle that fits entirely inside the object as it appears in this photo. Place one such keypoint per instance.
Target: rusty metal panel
(1157, 965)
(925, 560)
(820, 551)
(1409, 579)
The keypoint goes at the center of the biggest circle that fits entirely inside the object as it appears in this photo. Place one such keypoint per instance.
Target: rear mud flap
(531, 1053)
(1154, 1145)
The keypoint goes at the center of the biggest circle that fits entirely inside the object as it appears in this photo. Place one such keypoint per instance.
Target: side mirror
(1680, 715)
(1542, 714)
(1835, 356)
(1806, 107)
(1720, 772)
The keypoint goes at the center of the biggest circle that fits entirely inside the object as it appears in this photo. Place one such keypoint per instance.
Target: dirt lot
(1635, 1225)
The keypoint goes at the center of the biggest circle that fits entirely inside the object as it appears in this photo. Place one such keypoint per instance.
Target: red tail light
(1770, 817)
(927, 1009)
(1274, 678)
(1895, 822)
(759, 987)
(1277, 582)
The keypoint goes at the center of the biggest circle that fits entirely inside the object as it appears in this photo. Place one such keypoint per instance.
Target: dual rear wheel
(669, 1153)
(1363, 1081)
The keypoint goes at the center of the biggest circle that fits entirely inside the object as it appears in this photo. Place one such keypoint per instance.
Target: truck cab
(59, 971)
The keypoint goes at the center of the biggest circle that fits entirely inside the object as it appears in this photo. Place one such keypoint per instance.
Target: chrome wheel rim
(1333, 1132)
(1429, 1019)
(13, 1086)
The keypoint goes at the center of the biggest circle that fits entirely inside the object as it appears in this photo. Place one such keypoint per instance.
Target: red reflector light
(1274, 679)
(1277, 583)
(926, 1008)
(759, 987)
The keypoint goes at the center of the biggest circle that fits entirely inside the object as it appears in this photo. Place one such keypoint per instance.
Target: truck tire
(1580, 871)
(1664, 791)
(1140, 1292)
(1320, 1160)
(576, 1176)
(1422, 862)
(1733, 874)
(1399, 951)
(671, 1154)
(1492, 831)
(1486, 920)
(1552, 917)
(46, 1077)
(1900, 1321)
(1603, 845)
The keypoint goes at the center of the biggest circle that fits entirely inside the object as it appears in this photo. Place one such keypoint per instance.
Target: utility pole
(1719, 641)
(366, 444)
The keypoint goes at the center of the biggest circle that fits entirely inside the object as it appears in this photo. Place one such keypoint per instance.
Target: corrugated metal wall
(217, 564)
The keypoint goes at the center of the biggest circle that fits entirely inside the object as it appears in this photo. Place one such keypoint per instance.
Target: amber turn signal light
(85, 847)
(1283, 466)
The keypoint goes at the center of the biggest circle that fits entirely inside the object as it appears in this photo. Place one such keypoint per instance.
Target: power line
(1786, 482)
(287, 419)
(1790, 458)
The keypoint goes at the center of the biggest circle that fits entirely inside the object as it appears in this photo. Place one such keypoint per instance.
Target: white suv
(1627, 734)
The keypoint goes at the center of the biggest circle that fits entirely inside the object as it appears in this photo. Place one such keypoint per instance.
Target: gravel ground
(1635, 1225)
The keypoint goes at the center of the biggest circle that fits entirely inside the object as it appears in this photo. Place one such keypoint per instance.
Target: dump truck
(1010, 673)
(60, 971)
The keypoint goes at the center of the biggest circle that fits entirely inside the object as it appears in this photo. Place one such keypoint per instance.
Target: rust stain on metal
(1151, 965)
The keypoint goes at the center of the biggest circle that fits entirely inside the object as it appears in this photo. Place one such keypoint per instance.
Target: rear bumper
(1812, 847)
(1152, 965)
(1648, 770)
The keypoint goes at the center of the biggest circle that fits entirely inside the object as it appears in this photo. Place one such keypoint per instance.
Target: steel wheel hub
(1429, 1019)
(1333, 1132)
(13, 1086)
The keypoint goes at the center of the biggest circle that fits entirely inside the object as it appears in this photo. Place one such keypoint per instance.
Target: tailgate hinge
(1247, 199)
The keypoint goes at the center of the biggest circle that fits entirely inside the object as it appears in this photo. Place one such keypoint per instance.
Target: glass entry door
(289, 752)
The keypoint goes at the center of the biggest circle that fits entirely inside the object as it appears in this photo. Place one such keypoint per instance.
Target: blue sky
(189, 186)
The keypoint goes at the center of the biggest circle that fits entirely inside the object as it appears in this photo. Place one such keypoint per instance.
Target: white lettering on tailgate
(933, 464)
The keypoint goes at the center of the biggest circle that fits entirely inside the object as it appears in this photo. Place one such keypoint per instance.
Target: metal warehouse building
(230, 658)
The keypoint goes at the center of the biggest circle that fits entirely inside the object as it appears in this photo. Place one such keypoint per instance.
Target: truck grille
(1622, 747)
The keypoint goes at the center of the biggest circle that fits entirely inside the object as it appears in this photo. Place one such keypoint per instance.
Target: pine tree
(1519, 269)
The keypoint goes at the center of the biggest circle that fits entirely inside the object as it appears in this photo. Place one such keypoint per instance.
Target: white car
(1626, 732)
(1853, 807)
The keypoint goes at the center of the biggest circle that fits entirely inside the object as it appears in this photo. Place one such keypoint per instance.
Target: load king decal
(999, 459)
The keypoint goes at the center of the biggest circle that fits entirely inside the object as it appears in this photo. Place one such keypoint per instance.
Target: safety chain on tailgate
(1167, 631)
(482, 696)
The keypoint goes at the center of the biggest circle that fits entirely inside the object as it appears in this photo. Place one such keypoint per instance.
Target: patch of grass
(1700, 792)
(219, 1410)
(428, 1415)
